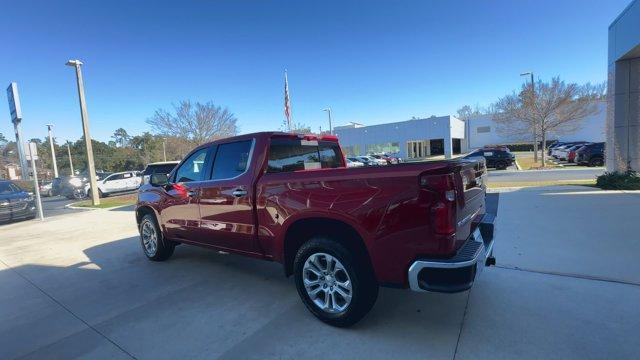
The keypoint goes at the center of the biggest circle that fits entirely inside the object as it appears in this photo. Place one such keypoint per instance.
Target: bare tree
(466, 111)
(195, 122)
(552, 108)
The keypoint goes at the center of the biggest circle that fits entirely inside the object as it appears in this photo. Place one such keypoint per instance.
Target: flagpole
(287, 102)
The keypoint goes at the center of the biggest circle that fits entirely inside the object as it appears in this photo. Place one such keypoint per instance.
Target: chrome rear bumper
(458, 273)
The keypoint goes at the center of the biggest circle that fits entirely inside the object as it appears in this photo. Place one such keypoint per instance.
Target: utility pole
(95, 198)
(164, 149)
(33, 154)
(328, 110)
(535, 123)
(53, 151)
(70, 160)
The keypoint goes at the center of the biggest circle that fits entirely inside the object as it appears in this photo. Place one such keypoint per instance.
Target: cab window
(231, 160)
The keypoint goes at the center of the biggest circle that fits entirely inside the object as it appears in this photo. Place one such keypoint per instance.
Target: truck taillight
(443, 210)
(444, 216)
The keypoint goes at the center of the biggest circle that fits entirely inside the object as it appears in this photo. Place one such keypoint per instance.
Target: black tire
(164, 247)
(78, 194)
(501, 165)
(364, 287)
(596, 162)
(90, 194)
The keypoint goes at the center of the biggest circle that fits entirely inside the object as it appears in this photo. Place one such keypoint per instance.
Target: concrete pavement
(79, 286)
(544, 175)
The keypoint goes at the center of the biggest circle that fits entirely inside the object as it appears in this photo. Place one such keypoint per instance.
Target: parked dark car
(73, 187)
(571, 152)
(15, 202)
(495, 157)
(591, 155)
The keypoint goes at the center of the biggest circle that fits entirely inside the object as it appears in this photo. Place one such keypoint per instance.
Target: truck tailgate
(470, 186)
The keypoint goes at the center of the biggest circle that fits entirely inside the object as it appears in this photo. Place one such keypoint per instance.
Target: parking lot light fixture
(85, 127)
(53, 151)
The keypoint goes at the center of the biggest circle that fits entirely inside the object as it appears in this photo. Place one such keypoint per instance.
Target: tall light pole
(53, 151)
(85, 128)
(535, 125)
(328, 110)
(70, 160)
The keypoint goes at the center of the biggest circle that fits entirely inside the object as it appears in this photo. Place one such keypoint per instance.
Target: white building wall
(592, 129)
(443, 127)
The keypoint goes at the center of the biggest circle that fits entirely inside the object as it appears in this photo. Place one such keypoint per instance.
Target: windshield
(8, 188)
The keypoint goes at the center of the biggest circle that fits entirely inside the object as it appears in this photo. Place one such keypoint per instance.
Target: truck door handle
(239, 192)
(191, 193)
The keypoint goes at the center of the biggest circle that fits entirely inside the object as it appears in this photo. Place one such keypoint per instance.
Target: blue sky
(371, 61)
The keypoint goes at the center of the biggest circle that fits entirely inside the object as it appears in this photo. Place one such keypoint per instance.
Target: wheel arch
(143, 210)
(304, 229)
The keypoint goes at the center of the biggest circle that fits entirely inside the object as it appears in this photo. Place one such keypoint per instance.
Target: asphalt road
(544, 175)
(55, 205)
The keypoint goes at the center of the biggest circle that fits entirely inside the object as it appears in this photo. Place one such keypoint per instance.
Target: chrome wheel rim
(327, 283)
(149, 238)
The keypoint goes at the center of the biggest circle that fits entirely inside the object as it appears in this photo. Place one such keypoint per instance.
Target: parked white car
(354, 163)
(371, 161)
(117, 182)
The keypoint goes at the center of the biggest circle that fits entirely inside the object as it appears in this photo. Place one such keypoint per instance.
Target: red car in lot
(341, 232)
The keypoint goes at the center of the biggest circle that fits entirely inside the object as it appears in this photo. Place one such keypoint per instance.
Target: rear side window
(231, 160)
(287, 155)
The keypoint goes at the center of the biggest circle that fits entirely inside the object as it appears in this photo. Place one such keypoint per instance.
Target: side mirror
(159, 179)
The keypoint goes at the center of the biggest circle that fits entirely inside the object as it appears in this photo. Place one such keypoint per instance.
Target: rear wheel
(596, 162)
(154, 245)
(335, 284)
(501, 165)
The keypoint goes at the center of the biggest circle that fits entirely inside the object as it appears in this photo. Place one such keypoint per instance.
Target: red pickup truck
(341, 232)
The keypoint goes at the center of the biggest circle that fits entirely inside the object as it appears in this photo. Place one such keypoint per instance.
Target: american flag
(287, 103)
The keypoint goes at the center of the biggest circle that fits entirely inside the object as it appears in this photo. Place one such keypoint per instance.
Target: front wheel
(336, 285)
(154, 245)
(79, 194)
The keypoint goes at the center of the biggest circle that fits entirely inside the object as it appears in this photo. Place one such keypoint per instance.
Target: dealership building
(623, 97)
(447, 135)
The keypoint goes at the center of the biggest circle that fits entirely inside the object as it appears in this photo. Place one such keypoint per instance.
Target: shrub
(628, 180)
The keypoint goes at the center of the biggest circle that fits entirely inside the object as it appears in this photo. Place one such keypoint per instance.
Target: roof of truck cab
(269, 134)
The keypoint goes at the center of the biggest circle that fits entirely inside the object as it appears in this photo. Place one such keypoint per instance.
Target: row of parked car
(372, 160)
(78, 186)
(579, 152)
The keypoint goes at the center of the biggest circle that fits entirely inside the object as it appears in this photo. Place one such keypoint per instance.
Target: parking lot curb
(70, 206)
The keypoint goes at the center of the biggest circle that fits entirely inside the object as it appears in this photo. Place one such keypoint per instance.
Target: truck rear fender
(303, 229)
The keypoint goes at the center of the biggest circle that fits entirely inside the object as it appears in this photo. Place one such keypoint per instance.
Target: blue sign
(14, 102)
